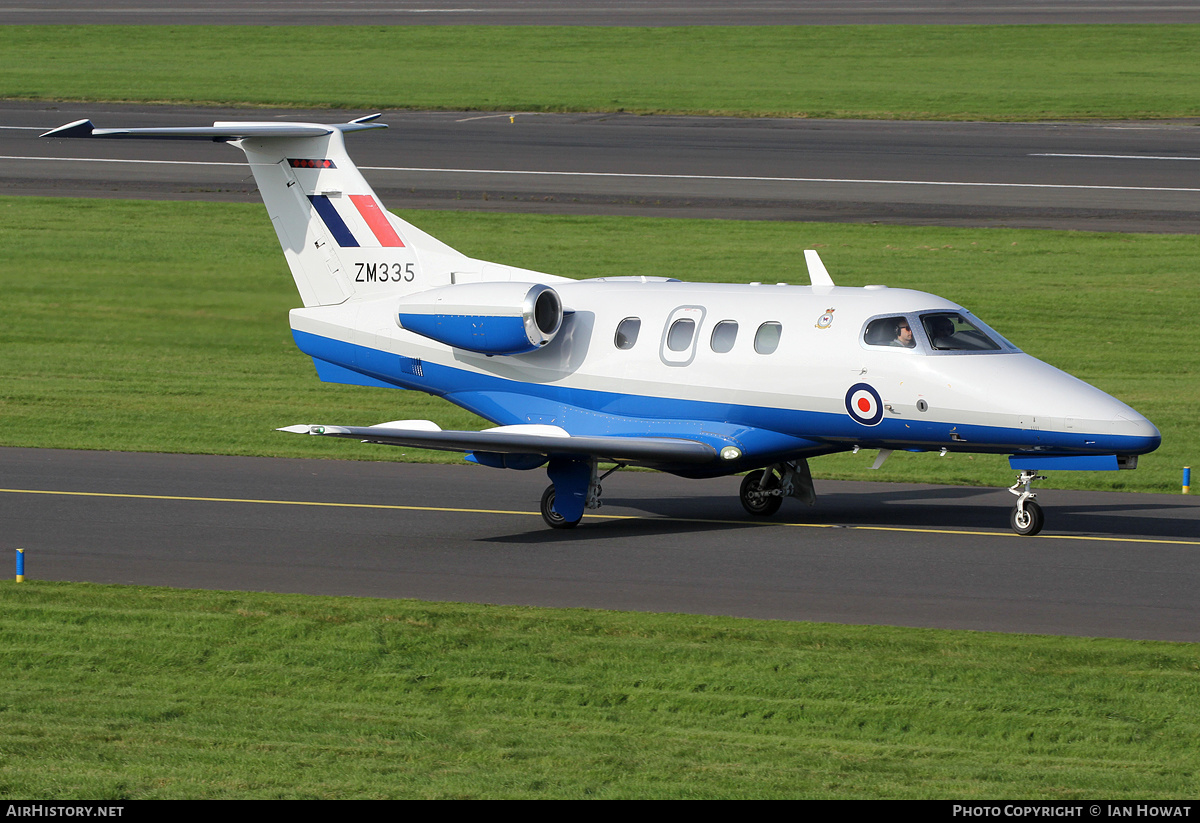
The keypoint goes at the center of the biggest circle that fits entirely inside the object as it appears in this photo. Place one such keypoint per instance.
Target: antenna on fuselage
(817, 275)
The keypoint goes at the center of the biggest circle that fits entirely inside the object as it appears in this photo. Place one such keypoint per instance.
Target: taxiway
(1109, 564)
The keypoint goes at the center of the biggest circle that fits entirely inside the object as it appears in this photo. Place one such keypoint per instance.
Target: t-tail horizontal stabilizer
(218, 131)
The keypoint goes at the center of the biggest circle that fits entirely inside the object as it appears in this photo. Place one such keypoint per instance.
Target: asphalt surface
(1117, 565)
(594, 12)
(1141, 176)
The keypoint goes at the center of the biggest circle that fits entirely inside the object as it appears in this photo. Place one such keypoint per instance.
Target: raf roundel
(864, 404)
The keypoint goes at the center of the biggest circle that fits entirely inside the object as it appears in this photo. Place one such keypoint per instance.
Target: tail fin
(339, 241)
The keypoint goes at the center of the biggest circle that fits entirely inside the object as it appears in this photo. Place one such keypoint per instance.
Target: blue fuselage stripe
(757, 429)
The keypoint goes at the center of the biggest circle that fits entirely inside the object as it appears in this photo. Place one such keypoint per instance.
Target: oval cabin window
(723, 336)
(627, 332)
(679, 338)
(766, 340)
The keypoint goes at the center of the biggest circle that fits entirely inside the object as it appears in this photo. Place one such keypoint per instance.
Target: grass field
(116, 692)
(906, 72)
(126, 327)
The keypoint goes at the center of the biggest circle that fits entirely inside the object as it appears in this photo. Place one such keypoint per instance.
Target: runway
(594, 13)
(1098, 176)
(1114, 565)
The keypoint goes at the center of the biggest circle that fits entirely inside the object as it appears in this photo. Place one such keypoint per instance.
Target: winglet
(313, 430)
(80, 128)
(295, 429)
(817, 275)
(408, 425)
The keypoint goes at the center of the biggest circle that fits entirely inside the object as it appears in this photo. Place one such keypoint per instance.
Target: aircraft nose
(1146, 436)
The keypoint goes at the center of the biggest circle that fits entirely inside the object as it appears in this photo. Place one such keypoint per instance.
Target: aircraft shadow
(953, 508)
(671, 520)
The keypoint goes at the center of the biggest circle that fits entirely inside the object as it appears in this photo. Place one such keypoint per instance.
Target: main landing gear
(763, 491)
(575, 487)
(553, 519)
(1027, 517)
(570, 476)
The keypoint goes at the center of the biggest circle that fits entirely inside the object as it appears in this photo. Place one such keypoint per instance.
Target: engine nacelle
(488, 318)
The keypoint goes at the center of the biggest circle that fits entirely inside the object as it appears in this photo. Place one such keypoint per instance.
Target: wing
(524, 440)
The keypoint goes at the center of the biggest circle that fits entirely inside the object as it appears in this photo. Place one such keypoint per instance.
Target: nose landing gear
(1027, 517)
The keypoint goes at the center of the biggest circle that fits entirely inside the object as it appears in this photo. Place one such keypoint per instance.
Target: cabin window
(679, 338)
(723, 336)
(951, 331)
(627, 332)
(890, 331)
(680, 335)
(766, 339)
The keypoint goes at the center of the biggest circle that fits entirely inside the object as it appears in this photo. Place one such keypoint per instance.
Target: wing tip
(80, 128)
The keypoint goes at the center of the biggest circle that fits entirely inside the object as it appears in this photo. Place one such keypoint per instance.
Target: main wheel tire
(1029, 521)
(757, 504)
(553, 519)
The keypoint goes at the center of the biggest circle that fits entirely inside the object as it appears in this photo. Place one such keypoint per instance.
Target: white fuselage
(999, 401)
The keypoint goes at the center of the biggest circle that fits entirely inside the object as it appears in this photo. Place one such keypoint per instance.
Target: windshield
(959, 331)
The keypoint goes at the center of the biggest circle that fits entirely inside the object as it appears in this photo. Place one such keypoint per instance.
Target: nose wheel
(1027, 517)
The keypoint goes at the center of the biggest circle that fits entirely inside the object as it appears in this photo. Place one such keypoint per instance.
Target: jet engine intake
(488, 318)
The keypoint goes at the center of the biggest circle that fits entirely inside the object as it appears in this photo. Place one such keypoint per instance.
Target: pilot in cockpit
(941, 332)
(904, 335)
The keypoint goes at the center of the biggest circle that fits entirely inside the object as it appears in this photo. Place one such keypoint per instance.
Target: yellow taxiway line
(1091, 538)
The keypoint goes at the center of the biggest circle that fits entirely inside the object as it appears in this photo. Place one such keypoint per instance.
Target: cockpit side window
(952, 331)
(890, 331)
